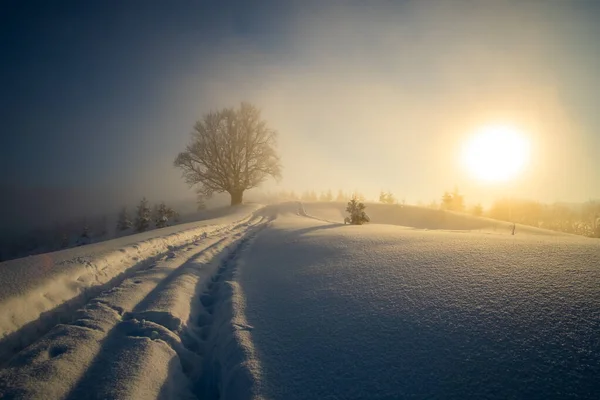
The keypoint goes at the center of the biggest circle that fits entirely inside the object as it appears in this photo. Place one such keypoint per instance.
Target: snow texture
(279, 303)
(380, 311)
(143, 338)
(38, 291)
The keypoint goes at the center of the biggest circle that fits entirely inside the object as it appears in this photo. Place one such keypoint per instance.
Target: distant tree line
(160, 216)
(82, 231)
(312, 195)
(579, 219)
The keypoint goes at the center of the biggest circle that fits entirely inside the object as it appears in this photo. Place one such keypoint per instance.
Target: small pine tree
(142, 218)
(123, 220)
(478, 210)
(161, 215)
(340, 196)
(357, 213)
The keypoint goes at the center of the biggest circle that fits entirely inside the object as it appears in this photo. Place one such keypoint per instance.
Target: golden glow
(496, 153)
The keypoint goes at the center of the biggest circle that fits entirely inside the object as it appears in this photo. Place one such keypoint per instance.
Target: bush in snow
(357, 213)
(123, 221)
(142, 218)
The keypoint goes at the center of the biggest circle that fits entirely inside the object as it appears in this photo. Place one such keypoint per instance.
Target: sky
(98, 97)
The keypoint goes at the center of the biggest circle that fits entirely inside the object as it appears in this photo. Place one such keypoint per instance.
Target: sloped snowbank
(37, 291)
(145, 338)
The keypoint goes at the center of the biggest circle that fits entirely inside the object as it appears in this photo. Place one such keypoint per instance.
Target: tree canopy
(232, 150)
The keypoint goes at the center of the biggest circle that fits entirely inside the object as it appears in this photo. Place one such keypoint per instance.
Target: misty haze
(300, 200)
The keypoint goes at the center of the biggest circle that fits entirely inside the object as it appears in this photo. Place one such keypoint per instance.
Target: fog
(374, 98)
(366, 98)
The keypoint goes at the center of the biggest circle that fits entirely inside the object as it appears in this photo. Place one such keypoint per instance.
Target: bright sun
(496, 153)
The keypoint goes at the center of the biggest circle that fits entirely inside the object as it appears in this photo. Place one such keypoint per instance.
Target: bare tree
(231, 151)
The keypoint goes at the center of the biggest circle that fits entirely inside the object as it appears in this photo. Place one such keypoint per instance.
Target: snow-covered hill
(423, 218)
(279, 303)
(385, 312)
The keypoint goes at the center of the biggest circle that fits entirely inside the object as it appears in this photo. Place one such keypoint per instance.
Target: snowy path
(143, 338)
(282, 304)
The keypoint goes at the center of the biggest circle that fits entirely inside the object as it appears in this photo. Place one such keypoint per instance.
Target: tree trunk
(236, 197)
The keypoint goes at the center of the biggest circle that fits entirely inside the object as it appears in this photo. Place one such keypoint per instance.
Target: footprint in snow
(207, 300)
(243, 327)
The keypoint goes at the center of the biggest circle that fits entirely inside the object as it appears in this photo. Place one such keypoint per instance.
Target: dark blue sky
(102, 94)
(81, 81)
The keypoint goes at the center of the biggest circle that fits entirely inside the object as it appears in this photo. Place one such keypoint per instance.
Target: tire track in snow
(225, 372)
(104, 326)
(31, 332)
(302, 212)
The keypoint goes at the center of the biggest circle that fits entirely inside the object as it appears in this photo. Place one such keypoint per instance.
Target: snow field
(144, 338)
(385, 312)
(314, 309)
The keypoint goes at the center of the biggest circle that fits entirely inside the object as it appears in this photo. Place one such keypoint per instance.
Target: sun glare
(496, 153)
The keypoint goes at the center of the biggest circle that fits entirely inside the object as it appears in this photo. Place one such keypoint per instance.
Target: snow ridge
(146, 338)
(28, 316)
(230, 370)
